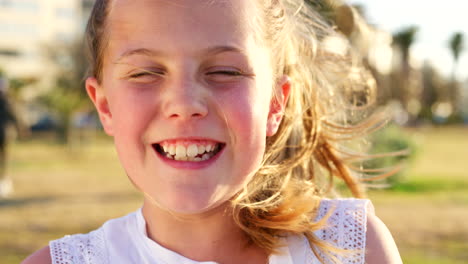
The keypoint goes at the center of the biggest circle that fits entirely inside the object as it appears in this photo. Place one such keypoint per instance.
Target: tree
(456, 46)
(67, 95)
(403, 40)
(433, 91)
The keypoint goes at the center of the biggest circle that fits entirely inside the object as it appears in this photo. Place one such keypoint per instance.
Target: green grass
(59, 191)
(425, 259)
(434, 184)
(427, 210)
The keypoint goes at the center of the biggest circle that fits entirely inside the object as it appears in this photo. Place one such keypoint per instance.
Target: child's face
(187, 75)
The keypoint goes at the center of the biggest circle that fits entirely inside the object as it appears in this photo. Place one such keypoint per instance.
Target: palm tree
(403, 40)
(456, 47)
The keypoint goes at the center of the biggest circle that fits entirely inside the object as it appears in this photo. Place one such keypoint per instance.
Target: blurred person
(226, 116)
(7, 118)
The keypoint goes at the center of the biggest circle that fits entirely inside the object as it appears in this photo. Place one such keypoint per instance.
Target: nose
(184, 100)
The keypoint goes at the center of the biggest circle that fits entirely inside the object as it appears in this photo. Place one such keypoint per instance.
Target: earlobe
(278, 104)
(97, 96)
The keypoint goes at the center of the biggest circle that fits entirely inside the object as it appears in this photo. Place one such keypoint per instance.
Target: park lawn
(61, 190)
(427, 211)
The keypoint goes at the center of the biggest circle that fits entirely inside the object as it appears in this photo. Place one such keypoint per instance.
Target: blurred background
(60, 175)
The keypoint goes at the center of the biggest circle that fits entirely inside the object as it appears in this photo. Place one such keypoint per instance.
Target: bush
(389, 141)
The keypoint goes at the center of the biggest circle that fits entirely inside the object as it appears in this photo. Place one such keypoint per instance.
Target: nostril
(196, 115)
(184, 109)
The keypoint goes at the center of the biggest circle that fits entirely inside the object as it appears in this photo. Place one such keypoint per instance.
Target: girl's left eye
(226, 72)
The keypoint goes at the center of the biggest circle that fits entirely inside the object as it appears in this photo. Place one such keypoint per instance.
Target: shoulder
(380, 246)
(93, 246)
(42, 256)
(71, 247)
(341, 210)
(345, 203)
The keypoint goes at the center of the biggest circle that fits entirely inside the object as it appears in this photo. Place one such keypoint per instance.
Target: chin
(190, 204)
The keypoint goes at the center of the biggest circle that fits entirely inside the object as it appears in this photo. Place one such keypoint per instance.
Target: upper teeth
(180, 151)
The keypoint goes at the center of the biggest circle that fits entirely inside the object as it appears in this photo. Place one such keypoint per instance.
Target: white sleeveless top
(124, 240)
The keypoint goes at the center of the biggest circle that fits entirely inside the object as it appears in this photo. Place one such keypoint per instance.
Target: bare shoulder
(380, 246)
(42, 256)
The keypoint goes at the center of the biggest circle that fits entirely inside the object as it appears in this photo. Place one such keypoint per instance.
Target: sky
(437, 21)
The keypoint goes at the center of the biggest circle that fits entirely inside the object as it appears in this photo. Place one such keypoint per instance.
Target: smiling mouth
(194, 151)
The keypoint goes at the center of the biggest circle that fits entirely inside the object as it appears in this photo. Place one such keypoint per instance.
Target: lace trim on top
(79, 249)
(346, 228)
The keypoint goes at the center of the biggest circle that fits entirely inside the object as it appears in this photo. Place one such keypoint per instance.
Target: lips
(188, 150)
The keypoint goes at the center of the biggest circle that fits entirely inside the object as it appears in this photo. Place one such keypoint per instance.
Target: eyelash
(230, 73)
(141, 74)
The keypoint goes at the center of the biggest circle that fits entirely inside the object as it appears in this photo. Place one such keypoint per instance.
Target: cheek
(130, 108)
(131, 114)
(246, 112)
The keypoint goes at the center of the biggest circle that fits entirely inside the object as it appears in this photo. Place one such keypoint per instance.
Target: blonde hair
(305, 155)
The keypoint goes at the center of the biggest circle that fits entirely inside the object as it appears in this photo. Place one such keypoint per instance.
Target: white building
(28, 26)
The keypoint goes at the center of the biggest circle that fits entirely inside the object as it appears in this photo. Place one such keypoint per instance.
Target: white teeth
(201, 149)
(180, 158)
(180, 151)
(192, 150)
(172, 150)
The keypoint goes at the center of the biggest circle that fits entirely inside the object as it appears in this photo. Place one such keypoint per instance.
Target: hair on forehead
(218, 2)
(181, 3)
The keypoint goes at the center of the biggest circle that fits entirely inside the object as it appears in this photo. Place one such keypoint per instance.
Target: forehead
(186, 8)
(181, 24)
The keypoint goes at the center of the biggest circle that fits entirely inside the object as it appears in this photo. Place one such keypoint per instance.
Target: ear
(278, 104)
(97, 95)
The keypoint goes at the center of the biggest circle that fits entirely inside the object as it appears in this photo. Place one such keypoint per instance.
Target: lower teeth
(202, 158)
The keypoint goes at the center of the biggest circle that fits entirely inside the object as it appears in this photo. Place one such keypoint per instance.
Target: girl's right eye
(144, 76)
(137, 75)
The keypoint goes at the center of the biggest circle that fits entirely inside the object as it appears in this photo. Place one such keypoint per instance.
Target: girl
(225, 114)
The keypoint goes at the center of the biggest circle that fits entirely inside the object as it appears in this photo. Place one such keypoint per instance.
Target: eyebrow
(139, 51)
(154, 53)
(221, 49)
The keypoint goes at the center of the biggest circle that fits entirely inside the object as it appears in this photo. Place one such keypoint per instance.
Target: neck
(211, 236)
